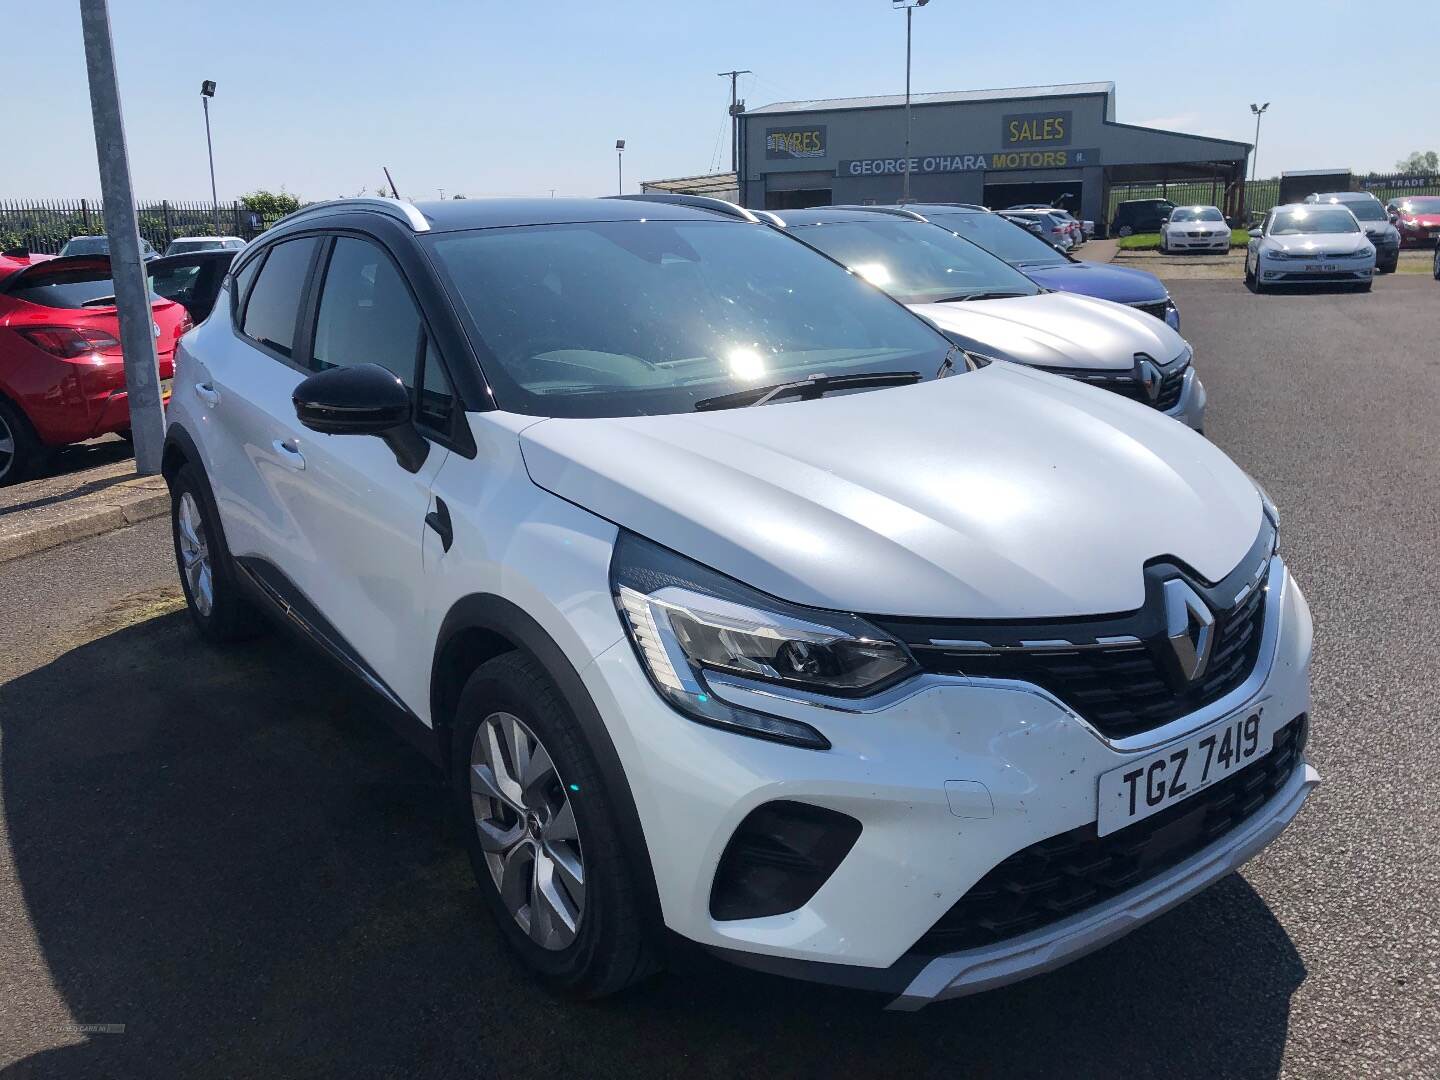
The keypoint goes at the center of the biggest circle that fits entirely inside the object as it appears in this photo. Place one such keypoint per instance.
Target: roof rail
(699, 202)
(893, 211)
(399, 209)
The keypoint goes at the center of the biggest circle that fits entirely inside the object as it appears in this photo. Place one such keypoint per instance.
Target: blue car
(1041, 263)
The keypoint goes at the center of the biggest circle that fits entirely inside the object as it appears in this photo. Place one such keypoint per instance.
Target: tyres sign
(792, 143)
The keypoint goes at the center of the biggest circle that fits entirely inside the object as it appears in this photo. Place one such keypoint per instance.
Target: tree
(1421, 161)
(270, 205)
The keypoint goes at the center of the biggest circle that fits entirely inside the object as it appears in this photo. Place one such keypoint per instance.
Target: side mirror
(363, 400)
(1165, 220)
(1255, 233)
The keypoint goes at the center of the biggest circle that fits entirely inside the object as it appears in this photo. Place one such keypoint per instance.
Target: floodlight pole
(207, 91)
(909, 6)
(619, 166)
(122, 228)
(1259, 111)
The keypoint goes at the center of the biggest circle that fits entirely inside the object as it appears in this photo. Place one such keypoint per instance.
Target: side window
(243, 280)
(435, 402)
(274, 302)
(366, 315)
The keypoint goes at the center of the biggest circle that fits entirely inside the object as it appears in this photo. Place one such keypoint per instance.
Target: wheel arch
(482, 626)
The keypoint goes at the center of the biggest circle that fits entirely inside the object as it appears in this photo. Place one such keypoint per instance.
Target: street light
(619, 166)
(1259, 111)
(909, 6)
(207, 91)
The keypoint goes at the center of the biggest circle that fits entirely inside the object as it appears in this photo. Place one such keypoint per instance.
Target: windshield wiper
(812, 387)
(981, 296)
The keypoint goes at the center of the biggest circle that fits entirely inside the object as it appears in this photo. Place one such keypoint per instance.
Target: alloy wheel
(195, 554)
(7, 448)
(526, 827)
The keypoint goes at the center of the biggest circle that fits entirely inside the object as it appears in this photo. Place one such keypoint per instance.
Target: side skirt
(292, 610)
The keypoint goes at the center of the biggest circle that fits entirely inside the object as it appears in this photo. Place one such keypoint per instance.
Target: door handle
(208, 394)
(290, 456)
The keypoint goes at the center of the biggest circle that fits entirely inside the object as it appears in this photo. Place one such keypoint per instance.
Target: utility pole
(909, 6)
(733, 76)
(1259, 111)
(127, 271)
(619, 166)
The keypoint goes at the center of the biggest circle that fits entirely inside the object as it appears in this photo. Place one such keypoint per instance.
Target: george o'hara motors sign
(951, 163)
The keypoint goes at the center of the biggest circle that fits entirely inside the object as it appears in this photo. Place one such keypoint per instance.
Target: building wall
(1075, 133)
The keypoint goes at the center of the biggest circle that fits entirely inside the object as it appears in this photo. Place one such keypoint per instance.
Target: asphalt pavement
(227, 853)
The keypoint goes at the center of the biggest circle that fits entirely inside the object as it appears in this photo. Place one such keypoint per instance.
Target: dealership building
(993, 147)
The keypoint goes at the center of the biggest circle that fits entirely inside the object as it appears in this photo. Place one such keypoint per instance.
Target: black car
(1140, 216)
(192, 279)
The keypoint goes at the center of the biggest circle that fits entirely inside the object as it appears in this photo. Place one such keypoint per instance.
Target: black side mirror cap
(363, 400)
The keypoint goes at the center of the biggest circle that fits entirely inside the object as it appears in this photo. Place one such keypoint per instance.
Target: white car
(183, 245)
(1195, 228)
(992, 309)
(736, 604)
(1301, 244)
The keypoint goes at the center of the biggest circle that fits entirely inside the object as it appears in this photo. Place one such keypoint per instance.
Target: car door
(358, 519)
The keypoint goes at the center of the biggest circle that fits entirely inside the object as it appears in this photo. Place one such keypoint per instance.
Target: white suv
(738, 604)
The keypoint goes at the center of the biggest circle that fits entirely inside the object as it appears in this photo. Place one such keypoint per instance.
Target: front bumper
(948, 776)
(1187, 242)
(1304, 271)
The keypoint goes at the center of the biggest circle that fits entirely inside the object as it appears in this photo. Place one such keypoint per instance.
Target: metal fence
(1261, 195)
(42, 226)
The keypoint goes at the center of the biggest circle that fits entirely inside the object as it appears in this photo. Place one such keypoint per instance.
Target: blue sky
(490, 98)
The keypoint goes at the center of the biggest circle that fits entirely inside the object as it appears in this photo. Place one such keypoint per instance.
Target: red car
(1417, 217)
(62, 379)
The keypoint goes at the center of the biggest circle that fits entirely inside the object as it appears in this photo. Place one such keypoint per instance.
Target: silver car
(1301, 244)
(1053, 228)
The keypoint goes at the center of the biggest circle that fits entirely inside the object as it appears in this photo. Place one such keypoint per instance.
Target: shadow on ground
(229, 855)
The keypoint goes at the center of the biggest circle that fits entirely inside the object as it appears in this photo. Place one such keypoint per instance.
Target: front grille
(1077, 870)
(1119, 672)
(1124, 383)
(1157, 308)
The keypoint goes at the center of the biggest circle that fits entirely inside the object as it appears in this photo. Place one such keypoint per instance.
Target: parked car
(1301, 244)
(62, 376)
(182, 244)
(1040, 262)
(1374, 219)
(193, 279)
(669, 540)
(100, 245)
(1195, 228)
(1140, 216)
(1417, 217)
(1083, 231)
(992, 309)
(1054, 229)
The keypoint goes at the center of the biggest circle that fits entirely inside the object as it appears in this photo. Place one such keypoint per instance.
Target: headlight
(1274, 253)
(1365, 253)
(1172, 316)
(1267, 504)
(690, 624)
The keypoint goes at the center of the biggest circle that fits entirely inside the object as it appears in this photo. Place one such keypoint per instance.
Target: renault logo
(1149, 376)
(1190, 626)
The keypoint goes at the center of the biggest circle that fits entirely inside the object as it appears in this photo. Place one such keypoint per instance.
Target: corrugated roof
(1015, 93)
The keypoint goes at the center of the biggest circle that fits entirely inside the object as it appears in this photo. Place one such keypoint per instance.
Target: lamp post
(207, 91)
(619, 166)
(909, 6)
(1259, 111)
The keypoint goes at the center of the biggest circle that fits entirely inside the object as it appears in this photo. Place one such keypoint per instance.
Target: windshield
(916, 262)
(1011, 242)
(1310, 220)
(1366, 209)
(1422, 204)
(86, 245)
(1196, 213)
(626, 318)
(70, 289)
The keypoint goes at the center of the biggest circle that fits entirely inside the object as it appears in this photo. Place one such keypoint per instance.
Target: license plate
(1152, 783)
(1322, 268)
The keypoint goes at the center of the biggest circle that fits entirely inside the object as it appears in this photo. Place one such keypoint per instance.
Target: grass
(1151, 241)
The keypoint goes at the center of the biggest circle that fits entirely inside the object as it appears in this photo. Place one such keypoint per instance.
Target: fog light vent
(778, 858)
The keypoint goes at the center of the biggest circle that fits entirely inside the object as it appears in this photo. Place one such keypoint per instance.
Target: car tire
(217, 605)
(1252, 275)
(20, 450)
(559, 826)
(1437, 262)
(1365, 286)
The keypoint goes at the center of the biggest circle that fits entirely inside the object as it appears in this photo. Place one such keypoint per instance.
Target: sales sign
(795, 142)
(1036, 129)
